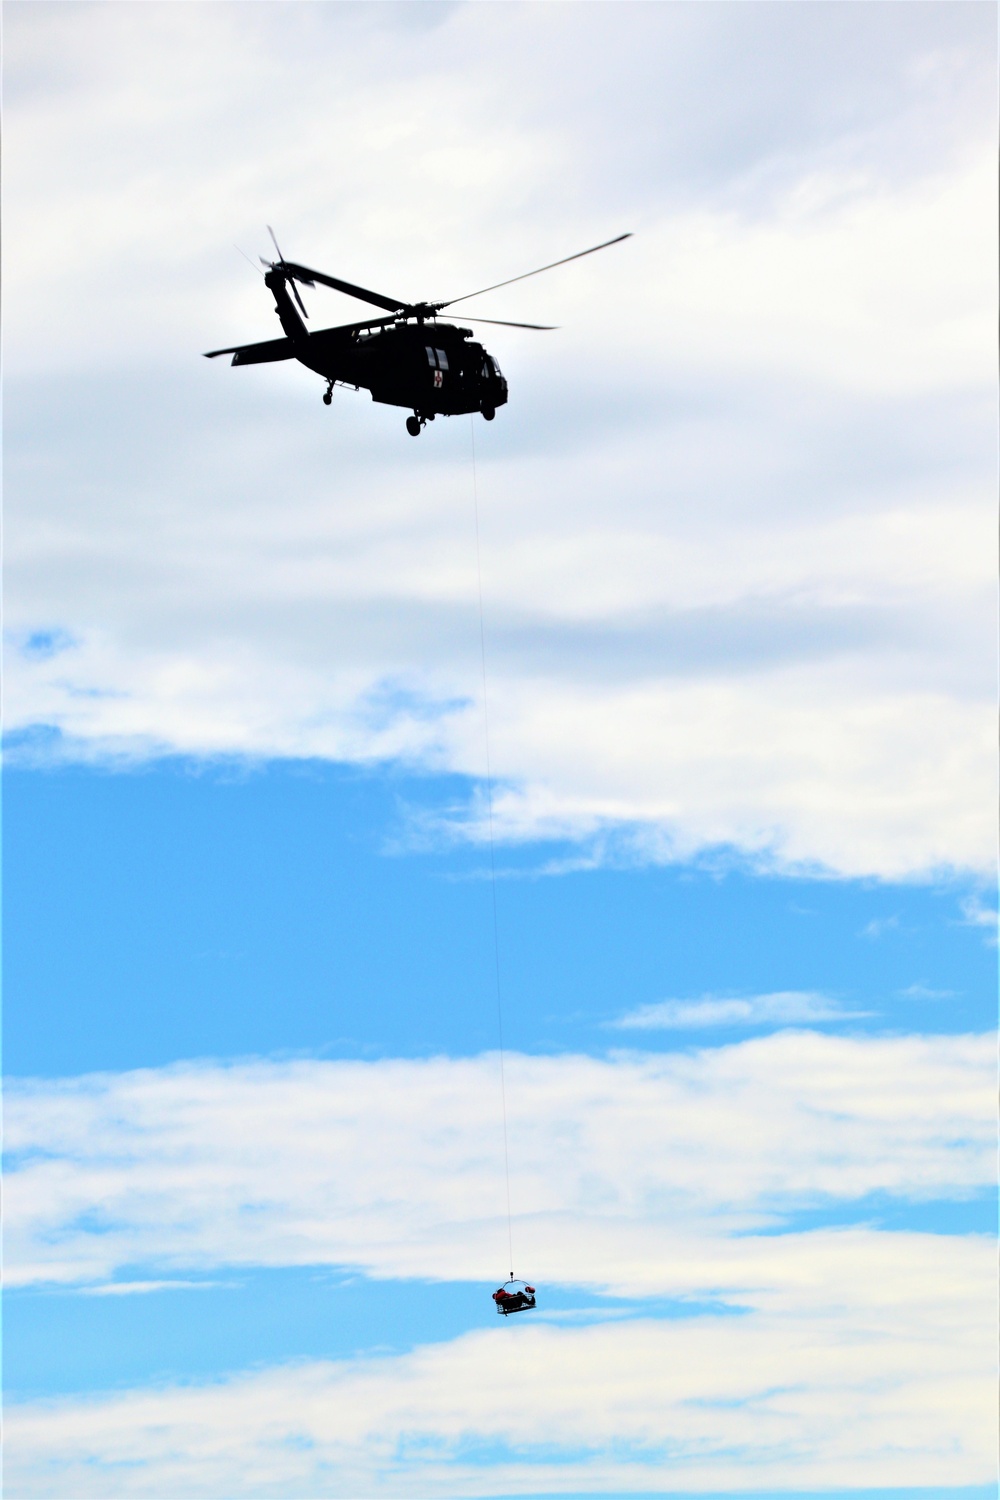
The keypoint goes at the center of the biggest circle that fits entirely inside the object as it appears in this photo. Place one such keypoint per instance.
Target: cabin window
(442, 359)
(430, 357)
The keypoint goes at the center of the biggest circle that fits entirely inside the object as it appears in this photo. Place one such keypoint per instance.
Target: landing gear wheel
(488, 413)
(413, 426)
(327, 397)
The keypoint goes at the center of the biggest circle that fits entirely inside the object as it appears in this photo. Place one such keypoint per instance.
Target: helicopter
(407, 358)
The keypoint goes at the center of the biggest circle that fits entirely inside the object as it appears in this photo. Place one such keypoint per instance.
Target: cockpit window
(442, 359)
(496, 367)
(430, 357)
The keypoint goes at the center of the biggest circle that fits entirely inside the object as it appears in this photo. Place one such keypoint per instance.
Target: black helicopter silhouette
(405, 359)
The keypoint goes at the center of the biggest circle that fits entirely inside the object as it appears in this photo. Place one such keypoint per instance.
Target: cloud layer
(839, 1356)
(736, 521)
(627, 1175)
(897, 1392)
(833, 1356)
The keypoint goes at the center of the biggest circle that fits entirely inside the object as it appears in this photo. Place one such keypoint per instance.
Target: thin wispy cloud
(142, 1288)
(976, 913)
(879, 926)
(782, 1008)
(925, 992)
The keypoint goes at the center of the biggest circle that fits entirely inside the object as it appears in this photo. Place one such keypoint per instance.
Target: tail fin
(291, 322)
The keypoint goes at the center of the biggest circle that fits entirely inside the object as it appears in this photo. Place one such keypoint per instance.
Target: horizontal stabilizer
(257, 354)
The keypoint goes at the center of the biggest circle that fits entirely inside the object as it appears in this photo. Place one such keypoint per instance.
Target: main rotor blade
(503, 323)
(303, 274)
(551, 266)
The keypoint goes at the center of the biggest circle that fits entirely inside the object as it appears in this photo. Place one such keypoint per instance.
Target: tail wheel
(488, 413)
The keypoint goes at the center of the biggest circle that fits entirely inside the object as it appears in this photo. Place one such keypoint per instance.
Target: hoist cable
(493, 867)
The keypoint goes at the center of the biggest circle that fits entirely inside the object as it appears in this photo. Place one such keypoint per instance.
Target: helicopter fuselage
(433, 368)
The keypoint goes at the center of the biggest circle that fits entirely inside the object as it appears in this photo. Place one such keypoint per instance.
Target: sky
(731, 550)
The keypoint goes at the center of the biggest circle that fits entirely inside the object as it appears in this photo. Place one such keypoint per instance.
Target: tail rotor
(287, 271)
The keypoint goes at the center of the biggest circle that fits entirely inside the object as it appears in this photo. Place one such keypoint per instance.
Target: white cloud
(977, 914)
(879, 926)
(627, 1175)
(139, 1288)
(784, 1007)
(890, 1389)
(737, 518)
(920, 991)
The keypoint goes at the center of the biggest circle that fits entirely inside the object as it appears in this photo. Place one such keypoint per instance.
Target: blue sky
(210, 891)
(737, 536)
